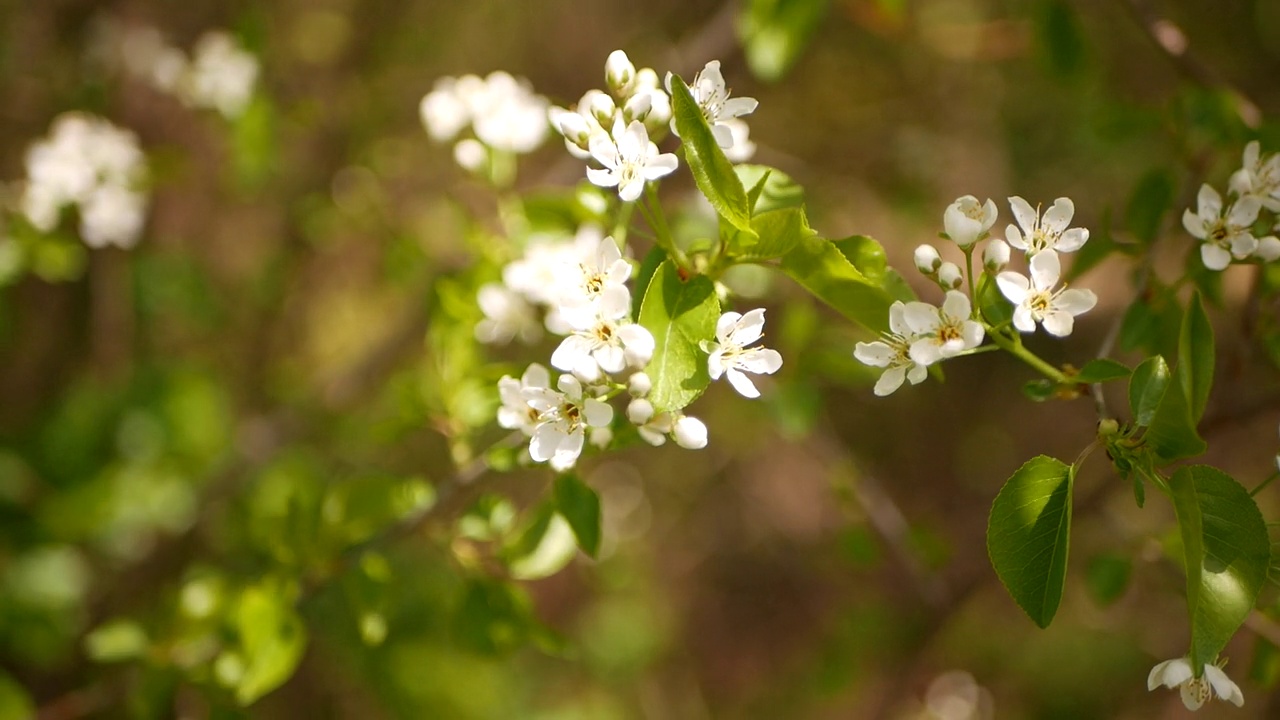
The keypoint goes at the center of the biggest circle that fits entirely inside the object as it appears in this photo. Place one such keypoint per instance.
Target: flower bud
(995, 256)
(639, 385)
(571, 125)
(619, 73)
(601, 437)
(949, 276)
(966, 221)
(927, 259)
(602, 109)
(471, 154)
(690, 433)
(639, 411)
(1268, 248)
(637, 108)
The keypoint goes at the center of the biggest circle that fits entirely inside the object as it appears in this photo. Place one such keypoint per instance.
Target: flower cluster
(723, 113)
(220, 74)
(617, 128)
(98, 168)
(921, 334)
(1226, 231)
(503, 113)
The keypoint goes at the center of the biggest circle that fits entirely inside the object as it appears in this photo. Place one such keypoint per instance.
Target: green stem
(969, 280)
(1015, 347)
(658, 221)
(1270, 479)
(623, 224)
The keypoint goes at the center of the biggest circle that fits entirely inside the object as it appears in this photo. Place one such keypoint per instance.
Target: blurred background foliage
(245, 468)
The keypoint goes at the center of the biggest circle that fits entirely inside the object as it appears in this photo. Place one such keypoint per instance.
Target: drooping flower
(1195, 691)
(893, 353)
(1037, 300)
(730, 356)
(630, 160)
(940, 333)
(966, 221)
(563, 417)
(709, 92)
(1044, 232)
(1226, 235)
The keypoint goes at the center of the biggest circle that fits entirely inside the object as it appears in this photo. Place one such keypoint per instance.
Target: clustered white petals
(1039, 300)
(941, 333)
(729, 355)
(630, 160)
(1195, 691)
(709, 91)
(502, 111)
(220, 74)
(1226, 228)
(966, 221)
(893, 353)
(95, 166)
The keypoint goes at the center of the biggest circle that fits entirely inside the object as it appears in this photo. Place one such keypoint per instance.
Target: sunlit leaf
(819, 266)
(1028, 535)
(1227, 552)
(1147, 386)
(272, 639)
(775, 32)
(680, 314)
(1101, 370)
(712, 171)
(771, 189)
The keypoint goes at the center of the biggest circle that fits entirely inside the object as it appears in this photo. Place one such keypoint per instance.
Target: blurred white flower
(507, 315)
(639, 384)
(893, 353)
(966, 221)
(1047, 232)
(88, 162)
(1226, 235)
(689, 433)
(630, 160)
(502, 111)
(516, 413)
(1259, 177)
(730, 356)
(1195, 691)
(221, 75)
(1268, 249)
(742, 149)
(1036, 300)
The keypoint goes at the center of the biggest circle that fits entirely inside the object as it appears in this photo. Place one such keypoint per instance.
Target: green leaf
(15, 702)
(1146, 389)
(1028, 535)
(1040, 390)
(1172, 433)
(771, 189)
(775, 32)
(866, 254)
(777, 233)
(680, 315)
(994, 306)
(1150, 201)
(272, 639)
(1101, 370)
(819, 266)
(648, 266)
(580, 505)
(1226, 551)
(544, 548)
(1061, 39)
(1107, 577)
(712, 171)
(1195, 357)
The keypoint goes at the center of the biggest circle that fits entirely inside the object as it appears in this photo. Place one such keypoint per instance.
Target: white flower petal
(875, 354)
(1214, 257)
(1045, 270)
(1058, 217)
(1024, 214)
(1075, 301)
(1058, 323)
(597, 413)
(742, 383)
(1014, 286)
(761, 361)
(889, 381)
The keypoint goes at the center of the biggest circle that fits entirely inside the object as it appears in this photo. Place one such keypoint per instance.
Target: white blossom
(1268, 249)
(893, 353)
(709, 92)
(639, 411)
(742, 149)
(1037, 300)
(1195, 691)
(940, 333)
(1226, 235)
(470, 154)
(221, 75)
(600, 279)
(516, 413)
(443, 112)
(630, 160)
(502, 111)
(656, 429)
(1259, 177)
(659, 101)
(603, 342)
(639, 384)
(563, 416)
(730, 356)
(1044, 232)
(966, 221)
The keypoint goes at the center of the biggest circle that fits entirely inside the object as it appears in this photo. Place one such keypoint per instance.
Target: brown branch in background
(1173, 43)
